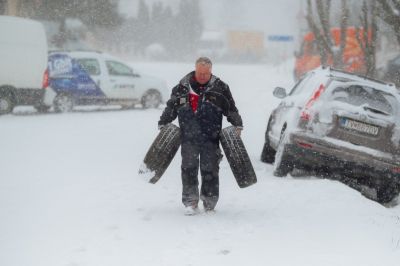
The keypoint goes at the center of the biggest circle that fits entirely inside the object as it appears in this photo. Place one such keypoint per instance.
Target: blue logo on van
(67, 76)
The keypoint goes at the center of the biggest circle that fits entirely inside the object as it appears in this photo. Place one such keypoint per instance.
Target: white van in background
(23, 63)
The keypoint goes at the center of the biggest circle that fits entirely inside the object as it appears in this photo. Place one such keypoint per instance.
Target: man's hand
(239, 131)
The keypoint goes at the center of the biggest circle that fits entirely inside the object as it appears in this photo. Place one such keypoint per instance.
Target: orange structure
(308, 57)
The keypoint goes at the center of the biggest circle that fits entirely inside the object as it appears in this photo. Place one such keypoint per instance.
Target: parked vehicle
(308, 57)
(94, 78)
(23, 61)
(338, 123)
(391, 72)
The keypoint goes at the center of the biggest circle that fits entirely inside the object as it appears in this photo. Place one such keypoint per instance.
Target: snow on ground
(70, 194)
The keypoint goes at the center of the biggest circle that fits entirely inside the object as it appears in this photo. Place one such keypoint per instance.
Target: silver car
(339, 124)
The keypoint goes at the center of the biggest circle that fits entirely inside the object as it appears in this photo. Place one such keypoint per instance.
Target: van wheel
(151, 99)
(63, 103)
(6, 103)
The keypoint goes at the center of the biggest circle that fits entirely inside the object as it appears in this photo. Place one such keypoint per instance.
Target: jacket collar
(185, 81)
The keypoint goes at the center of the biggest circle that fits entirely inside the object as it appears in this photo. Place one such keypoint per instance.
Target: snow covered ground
(70, 194)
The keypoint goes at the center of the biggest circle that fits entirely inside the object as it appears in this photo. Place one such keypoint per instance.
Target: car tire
(283, 161)
(63, 103)
(6, 102)
(268, 153)
(238, 157)
(151, 99)
(386, 192)
(162, 151)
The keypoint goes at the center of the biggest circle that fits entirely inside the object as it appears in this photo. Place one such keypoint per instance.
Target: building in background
(9, 7)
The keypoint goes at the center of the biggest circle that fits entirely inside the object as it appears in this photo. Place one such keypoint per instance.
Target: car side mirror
(280, 92)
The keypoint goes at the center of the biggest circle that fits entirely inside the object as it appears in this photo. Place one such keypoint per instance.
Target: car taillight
(306, 113)
(396, 170)
(304, 145)
(45, 82)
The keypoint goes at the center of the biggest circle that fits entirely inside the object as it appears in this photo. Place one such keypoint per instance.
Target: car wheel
(268, 153)
(386, 192)
(283, 161)
(42, 108)
(151, 99)
(6, 103)
(63, 103)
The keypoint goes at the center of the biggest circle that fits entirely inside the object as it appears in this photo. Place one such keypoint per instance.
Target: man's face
(202, 73)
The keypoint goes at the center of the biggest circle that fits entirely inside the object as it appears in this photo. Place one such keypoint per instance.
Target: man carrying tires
(199, 101)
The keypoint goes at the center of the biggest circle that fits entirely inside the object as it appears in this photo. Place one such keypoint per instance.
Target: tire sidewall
(283, 162)
(6, 103)
(155, 102)
(63, 103)
(268, 153)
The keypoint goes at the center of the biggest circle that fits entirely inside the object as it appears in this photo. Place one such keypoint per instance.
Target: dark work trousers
(208, 156)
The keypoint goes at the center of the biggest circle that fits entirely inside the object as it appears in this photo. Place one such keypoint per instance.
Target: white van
(95, 78)
(23, 63)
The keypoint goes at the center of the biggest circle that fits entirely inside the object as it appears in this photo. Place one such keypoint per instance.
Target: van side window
(91, 66)
(118, 69)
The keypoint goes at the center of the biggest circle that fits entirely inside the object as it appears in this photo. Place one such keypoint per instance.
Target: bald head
(203, 70)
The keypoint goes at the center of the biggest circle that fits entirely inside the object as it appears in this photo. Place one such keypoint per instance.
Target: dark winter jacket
(215, 100)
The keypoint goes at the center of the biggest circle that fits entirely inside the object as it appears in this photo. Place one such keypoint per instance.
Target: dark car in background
(339, 124)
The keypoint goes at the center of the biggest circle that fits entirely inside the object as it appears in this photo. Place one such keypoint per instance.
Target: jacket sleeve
(170, 112)
(231, 112)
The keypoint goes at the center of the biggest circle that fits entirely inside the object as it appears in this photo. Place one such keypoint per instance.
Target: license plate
(359, 126)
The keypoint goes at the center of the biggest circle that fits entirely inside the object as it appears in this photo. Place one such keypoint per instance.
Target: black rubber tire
(238, 158)
(151, 99)
(386, 192)
(268, 153)
(6, 102)
(284, 165)
(162, 151)
(63, 103)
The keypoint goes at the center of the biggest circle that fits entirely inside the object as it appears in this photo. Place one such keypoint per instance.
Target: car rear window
(375, 100)
(91, 66)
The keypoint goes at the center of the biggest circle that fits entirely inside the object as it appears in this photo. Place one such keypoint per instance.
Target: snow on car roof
(85, 54)
(339, 75)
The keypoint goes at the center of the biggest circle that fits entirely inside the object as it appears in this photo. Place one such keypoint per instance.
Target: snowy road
(70, 195)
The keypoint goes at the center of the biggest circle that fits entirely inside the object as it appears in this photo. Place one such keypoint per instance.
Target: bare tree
(367, 36)
(323, 36)
(3, 7)
(389, 12)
